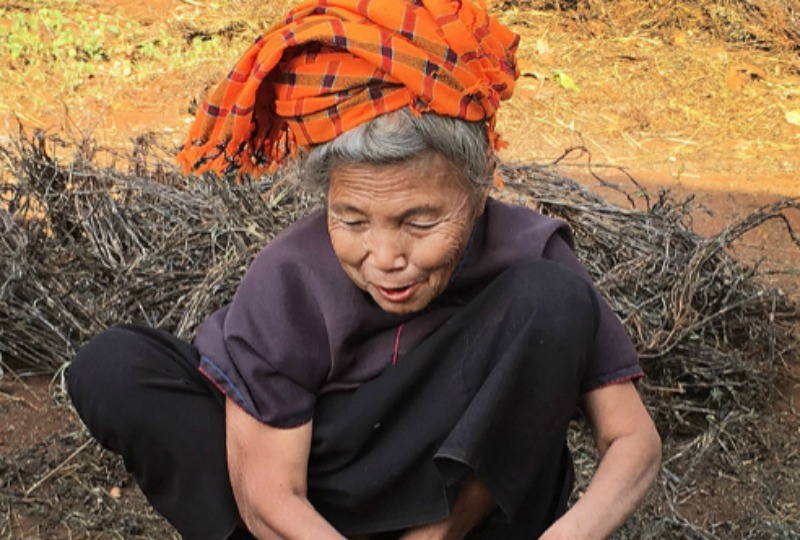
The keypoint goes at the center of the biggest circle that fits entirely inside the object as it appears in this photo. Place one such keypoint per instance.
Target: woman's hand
(268, 469)
(433, 531)
(474, 503)
(630, 456)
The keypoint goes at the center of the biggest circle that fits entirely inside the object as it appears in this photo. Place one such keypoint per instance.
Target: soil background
(683, 104)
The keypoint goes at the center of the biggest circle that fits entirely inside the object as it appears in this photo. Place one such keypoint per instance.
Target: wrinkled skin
(400, 230)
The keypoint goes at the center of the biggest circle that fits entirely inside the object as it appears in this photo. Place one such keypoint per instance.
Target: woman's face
(400, 230)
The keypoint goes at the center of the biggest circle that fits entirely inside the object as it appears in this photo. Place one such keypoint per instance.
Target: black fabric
(491, 391)
(139, 393)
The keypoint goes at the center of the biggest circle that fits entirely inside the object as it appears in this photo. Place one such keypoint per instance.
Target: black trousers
(491, 392)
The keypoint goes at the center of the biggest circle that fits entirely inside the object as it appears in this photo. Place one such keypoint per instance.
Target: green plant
(47, 40)
(65, 53)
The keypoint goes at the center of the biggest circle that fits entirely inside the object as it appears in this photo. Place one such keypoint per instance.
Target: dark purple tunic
(298, 327)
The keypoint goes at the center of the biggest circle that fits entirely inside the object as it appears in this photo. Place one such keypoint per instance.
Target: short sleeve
(269, 349)
(613, 357)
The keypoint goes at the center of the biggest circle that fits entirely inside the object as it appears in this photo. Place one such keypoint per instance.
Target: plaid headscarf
(335, 64)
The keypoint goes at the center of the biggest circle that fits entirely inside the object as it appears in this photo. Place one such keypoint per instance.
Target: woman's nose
(387, 250)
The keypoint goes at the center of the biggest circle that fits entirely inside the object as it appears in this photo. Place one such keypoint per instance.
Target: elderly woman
(405, 363)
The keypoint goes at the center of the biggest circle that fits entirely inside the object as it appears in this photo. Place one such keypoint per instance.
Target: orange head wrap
(335, 64)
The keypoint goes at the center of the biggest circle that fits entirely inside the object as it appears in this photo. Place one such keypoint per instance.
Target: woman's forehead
(430, 173)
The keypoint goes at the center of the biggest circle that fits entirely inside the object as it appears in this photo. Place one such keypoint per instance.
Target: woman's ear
(483, 193)
(480, 200)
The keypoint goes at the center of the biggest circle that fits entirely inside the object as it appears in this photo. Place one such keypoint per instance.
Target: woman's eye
(352, 223)
(422, 226)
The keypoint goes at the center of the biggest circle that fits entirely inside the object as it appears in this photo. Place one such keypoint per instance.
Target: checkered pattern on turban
(335, 64)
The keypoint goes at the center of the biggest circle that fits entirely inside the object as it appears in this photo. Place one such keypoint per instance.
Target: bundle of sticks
(84, 246)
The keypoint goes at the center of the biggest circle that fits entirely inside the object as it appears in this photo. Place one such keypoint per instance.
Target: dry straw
(764, 24)
(682, 85)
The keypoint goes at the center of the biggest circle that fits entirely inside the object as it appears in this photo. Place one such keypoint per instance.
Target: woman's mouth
(397, 294)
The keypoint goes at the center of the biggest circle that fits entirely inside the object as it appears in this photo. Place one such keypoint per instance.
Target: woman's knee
(110, 372)
(100, 362)
(118, 360)
(99, 382)
(118, 380)
(101, 376)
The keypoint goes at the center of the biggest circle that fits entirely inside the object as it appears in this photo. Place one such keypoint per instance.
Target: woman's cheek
(439, 252)
(347, 246)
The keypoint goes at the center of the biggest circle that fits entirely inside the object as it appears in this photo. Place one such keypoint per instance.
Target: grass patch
(80, 52)
(44, 38)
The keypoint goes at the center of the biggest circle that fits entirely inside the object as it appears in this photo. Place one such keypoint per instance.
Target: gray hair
(402, 136)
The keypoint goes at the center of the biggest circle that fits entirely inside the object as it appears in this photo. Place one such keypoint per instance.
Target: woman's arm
(268, 470)
(630, 456)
